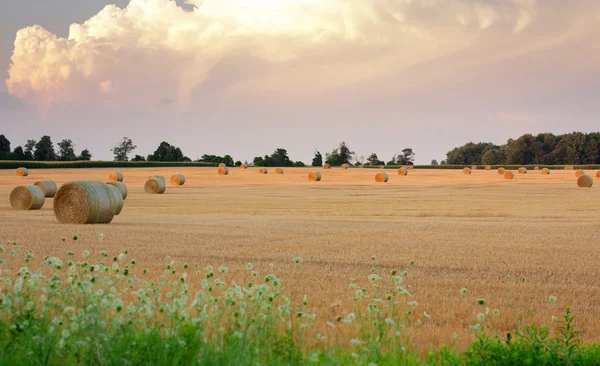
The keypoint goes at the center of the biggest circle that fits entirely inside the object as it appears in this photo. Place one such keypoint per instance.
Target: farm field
(513, 242)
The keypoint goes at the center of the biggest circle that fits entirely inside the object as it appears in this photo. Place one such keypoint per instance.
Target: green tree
(66, 150)
(434, 162)
(85, 155)
(4, 147)
(167, 152)
(122, 150)
(494, 157)
(406, 158)
(468, 154)
(318, 159)
(44, 150)
(29, 147)
(17, 154)
(215, 159)
(138, 158)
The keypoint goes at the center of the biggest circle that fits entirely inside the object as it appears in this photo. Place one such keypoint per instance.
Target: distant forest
(545, 148)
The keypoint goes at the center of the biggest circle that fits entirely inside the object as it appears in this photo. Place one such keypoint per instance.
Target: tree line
(574, 148)
(42, 150)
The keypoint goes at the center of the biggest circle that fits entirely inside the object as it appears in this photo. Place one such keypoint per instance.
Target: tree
(434, 162)
(345, 153)
(393, 161)
(4, 147)
(17, 154)
(66, 150)
(373, 160)
(123, 149)
(468, 154)
(44, 150)
(138, 158)
(494, 157)
(29, 146)
(318, 159)
(85, 155)
(406, 158)
(215, 159)
(238, 163)
(167, 152)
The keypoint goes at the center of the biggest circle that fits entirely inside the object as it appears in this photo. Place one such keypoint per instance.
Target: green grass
(96, 309)
(9, 164)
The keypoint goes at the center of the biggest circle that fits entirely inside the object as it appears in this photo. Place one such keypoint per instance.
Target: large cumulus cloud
(154, 50)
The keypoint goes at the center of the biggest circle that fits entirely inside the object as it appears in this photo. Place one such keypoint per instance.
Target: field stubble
(514, 243)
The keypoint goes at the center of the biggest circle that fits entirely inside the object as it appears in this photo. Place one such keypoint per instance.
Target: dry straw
(359, 166)
(87, 202)
(263, 171)
(536, 168)
(402, 171)
(115, 176)
(22, 172)
(474, 167)
(545, 171)
(155, 186)
(326, 166)
(466, 170)
(509, 175)
(120, 186)
(178, 179)
(522, 170)
(244, 166)
(48, 187)
(27, 197)
(598, 174)
(381, 177)
(501, 170)
(279, 171)
(568, 167)
(344, 166)
(410, 167)
(314, 176)
(585, 181)
(223, 170)
(222, 165)
(579, 173)
(488, 168)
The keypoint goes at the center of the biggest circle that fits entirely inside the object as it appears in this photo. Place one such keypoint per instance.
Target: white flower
(374, 278)
(390, 322)
(552, 298)
(480, 317)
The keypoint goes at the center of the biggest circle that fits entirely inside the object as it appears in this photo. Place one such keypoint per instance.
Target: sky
(244, 77)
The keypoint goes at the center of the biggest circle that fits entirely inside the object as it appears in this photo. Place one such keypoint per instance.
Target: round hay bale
(27, 197)
(48, 187)
(222, 165)
(359, 166)
(509, 175)
(155, 186)
(115, 176)
(279, 171)
(466, 170)
(585, 181)
(263, 171)
(160, 177)
(178, 179)
(488, 168)
(22, 172)
(326, 166)
(522, 170)
(381, 177)
(536, 168)
(474, 167)
(314, 176)
(244, 166)
(598, 174)
(568, 167)
(344, 166)
(410, 167)
(86, 202)
(501, 170)
(402, 171)
(545, 171)
(116, 199)
(120, 186)
(223, 170)
(579, 173)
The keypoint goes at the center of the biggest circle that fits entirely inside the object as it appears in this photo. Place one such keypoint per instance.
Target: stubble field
(514, 243)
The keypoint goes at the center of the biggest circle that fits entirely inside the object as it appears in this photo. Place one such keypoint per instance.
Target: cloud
(152, 48)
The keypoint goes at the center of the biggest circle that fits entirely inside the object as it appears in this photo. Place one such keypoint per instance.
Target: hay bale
(598, 174)
(157, 177)
(522, 170)
(115, 176)
(585, 181)
(116, 199)
(381, 177)
(545, 171)
(223, 170)
(579, 173)
(488, 168)
(120, 186)
(382, 167)
(359, 166)
(410, 167)
(536, 168)
(48, 187)
(222, 165)
(27, 197)
(509, 175)
(279, 171)
(501, 171)
(474, 167)
(22, 172)
(569, 167)
(326, 166)
(86, 202)
(314, 176)
(244, 166)
(402, 171)
(344, 166)
(177, 179)
(155, 186)
(466, 170)
(263, 171)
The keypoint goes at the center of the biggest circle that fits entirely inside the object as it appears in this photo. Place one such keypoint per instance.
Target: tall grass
(96, 309)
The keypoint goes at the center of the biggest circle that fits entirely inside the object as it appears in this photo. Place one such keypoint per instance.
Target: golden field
(512, 242)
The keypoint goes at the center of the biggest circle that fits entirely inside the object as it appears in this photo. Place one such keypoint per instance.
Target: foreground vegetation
(94, 308)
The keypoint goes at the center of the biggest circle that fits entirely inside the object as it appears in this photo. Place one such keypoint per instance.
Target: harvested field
(512, 242)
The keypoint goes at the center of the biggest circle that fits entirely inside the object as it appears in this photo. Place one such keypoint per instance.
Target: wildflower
(426, 316)
(487, 311)
(374, 278)
(463, 291)
(185, 266)
(101, 236)
(249, 266)
(390, 322)
(355, 341)
(481, 301)
(353, 286)
(398, 280)
(475, 327)
(121, 256)
(223, 269)
(554, 319)
(394, 272)
(414, 304)
(331, 324)
(103, 253)
(75, 236)
(297, 260)
(412, 262)
(65, 333)
(552, 298)
(145, 270)
(86, 254)
(350, 318)
(372, 308)
(480, 317)
(63, 238)
(373, 258)
(496, 312)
